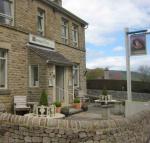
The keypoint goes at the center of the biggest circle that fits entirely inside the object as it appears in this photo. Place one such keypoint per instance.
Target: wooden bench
(20, 104)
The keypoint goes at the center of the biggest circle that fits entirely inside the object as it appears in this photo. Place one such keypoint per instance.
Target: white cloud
(118, 49)
(107, 17)
(137, 61)
(119, 62)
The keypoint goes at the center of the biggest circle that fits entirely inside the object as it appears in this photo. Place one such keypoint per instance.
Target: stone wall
(19, 129)
(120, 95)
(17, 78)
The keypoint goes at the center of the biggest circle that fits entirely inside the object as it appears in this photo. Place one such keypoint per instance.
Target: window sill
(4, 92)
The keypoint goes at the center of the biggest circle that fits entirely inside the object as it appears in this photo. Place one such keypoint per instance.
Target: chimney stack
(59, 2)
(106, 73)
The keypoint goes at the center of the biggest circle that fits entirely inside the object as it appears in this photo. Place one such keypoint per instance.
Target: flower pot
(58, 109)
(77, 105)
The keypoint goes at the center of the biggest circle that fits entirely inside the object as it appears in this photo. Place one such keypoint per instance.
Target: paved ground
(96, 113)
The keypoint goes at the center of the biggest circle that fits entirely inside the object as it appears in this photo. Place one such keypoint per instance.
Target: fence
(118, 85)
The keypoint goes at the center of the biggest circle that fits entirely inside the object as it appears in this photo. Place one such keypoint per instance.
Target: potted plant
(77, 103)
(41, 109)
(65, 110)
(58, 106)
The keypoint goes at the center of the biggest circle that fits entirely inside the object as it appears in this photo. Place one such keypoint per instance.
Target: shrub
(44, 98)
(76, 100)
(57, 103)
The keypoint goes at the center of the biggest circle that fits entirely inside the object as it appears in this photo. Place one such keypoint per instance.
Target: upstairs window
(40, 22)
(34, 76)
(6, 16)
(75, 35)
(64, 31)
(3, 68)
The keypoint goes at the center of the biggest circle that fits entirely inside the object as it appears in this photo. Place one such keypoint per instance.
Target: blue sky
(105, 34)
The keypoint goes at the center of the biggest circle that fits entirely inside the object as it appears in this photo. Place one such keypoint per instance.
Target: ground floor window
(76, 75)
(3, 68)
(34, 75)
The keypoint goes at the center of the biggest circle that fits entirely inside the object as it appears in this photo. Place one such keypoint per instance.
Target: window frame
(75, 33)
(76, 67)
(30, 78)
(10, 18)
(6, 68)
(65, 25)
(41, 32)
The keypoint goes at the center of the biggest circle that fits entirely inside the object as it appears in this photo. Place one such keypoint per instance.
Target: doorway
(60, 83)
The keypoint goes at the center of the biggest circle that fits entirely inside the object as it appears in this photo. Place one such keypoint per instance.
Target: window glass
(2, 53)
(6, 11)
(34, 75)
(64, 31)
(40, 21)
(76, 75)
(75, 35)
(2, 68)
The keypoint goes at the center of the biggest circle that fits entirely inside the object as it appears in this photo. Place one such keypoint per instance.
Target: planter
(58, 109)
(77, 105)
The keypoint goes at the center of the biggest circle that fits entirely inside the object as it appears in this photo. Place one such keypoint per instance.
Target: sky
(105, 34)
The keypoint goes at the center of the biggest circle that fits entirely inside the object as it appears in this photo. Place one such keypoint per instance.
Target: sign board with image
(138, 44)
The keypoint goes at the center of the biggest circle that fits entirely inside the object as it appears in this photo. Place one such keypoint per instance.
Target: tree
(145, 73)
(44, 98)
(97, 73)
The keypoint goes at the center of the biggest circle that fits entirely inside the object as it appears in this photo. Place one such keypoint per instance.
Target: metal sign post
(128, 53)
(135, 44)
(129, 93)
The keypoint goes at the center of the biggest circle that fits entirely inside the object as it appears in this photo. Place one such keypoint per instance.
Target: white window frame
(10, 18)
(41, 14)
(30, 73)
(75, 33)
(76, 67)
(6, 72)
(65, 27)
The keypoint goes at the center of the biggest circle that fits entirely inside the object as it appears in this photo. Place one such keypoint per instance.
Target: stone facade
(15, 38)
(19, 129)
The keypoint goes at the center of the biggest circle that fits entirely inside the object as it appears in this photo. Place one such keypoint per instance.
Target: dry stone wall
(19, 129)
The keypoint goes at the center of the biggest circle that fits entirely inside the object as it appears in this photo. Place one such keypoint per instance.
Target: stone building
(42, 47)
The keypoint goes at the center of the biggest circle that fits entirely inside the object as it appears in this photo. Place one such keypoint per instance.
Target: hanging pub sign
(138, 44)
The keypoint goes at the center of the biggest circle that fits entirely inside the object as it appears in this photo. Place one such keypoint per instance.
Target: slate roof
(52, 56)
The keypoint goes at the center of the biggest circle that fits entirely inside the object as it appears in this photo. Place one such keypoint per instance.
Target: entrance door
(60, 83)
